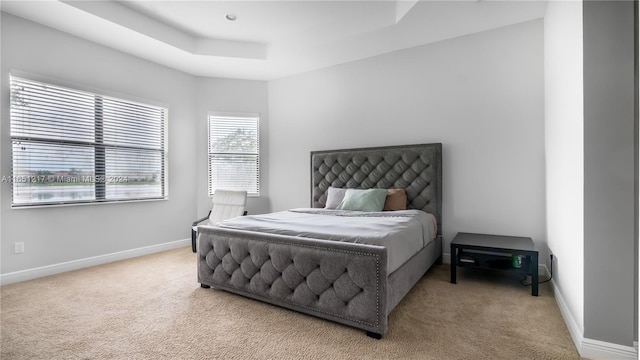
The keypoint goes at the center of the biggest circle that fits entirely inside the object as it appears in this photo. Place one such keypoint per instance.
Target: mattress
(403, 233)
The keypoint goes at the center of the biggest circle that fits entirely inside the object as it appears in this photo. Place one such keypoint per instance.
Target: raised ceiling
(269, 39)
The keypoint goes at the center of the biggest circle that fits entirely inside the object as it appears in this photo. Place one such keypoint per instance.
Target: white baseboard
(595, 349)
(575, 330)
(590, 348)
(587, 348)
(53, 269)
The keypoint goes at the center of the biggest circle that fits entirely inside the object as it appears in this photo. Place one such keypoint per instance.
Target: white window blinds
(71, 146)
(234, 159)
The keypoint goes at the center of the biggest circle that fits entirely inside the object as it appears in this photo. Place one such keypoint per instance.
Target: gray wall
(610, 141)
(480, 95)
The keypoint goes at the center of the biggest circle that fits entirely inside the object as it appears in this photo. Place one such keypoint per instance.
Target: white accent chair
(226, 204)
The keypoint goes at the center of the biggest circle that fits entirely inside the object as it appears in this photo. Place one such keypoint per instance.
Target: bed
(351, 278)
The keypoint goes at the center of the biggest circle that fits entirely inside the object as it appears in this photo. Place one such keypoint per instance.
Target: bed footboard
(342, 282)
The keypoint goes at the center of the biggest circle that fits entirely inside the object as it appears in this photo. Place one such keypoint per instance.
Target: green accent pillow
(363, 200)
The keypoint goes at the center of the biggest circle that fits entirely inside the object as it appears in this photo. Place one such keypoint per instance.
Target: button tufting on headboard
(406, 167)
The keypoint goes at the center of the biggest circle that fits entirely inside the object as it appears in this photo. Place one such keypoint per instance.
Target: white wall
(61, 234)
(591, 144)
(564, 147)
(480, 95)
(55, 236)
(233, 96)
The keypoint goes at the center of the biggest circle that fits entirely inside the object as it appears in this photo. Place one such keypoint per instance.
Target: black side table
(495, 252)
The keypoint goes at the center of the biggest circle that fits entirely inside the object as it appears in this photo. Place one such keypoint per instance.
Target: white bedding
(403, 232)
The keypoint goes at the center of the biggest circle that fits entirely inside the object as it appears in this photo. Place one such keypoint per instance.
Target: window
(71, 146)
(234, 155)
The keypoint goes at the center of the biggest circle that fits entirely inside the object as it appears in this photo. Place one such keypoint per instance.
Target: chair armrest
(201, 220)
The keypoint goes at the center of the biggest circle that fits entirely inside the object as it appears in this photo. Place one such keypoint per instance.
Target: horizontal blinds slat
(134, 173)
(234, 160)
(233, 135)
(80, 143)
(58, 113)
(24, 89)
(67, 144)
(23, 86)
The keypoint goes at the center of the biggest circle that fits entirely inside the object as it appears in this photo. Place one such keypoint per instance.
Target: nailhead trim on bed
(340, 281)
(295, 276)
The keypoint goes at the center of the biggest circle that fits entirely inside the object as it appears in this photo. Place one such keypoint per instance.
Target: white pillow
(334, 197)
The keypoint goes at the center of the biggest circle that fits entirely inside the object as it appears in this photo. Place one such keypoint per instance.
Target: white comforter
(403, 232)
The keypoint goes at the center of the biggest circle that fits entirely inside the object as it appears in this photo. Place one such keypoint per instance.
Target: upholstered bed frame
(339, 281)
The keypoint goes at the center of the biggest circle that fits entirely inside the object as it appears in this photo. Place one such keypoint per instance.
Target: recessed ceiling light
(231, 17)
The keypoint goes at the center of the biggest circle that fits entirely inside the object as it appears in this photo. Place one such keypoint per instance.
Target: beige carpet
(152, 308)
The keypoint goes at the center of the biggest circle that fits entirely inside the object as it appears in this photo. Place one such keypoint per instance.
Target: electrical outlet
(19, 247)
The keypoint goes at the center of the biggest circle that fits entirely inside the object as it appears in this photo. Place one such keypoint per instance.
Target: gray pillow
(334, 197)
(363, 200)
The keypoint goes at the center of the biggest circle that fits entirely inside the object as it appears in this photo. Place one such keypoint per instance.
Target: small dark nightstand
(495, 252)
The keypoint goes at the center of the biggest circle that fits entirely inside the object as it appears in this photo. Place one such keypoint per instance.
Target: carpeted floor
(153, 308)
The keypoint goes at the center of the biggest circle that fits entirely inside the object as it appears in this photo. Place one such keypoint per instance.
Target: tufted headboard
(415, 168)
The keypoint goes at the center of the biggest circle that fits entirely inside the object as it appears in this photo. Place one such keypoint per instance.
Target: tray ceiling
(269, 39)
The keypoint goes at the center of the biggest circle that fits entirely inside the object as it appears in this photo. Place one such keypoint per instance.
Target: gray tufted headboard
(415, 168)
